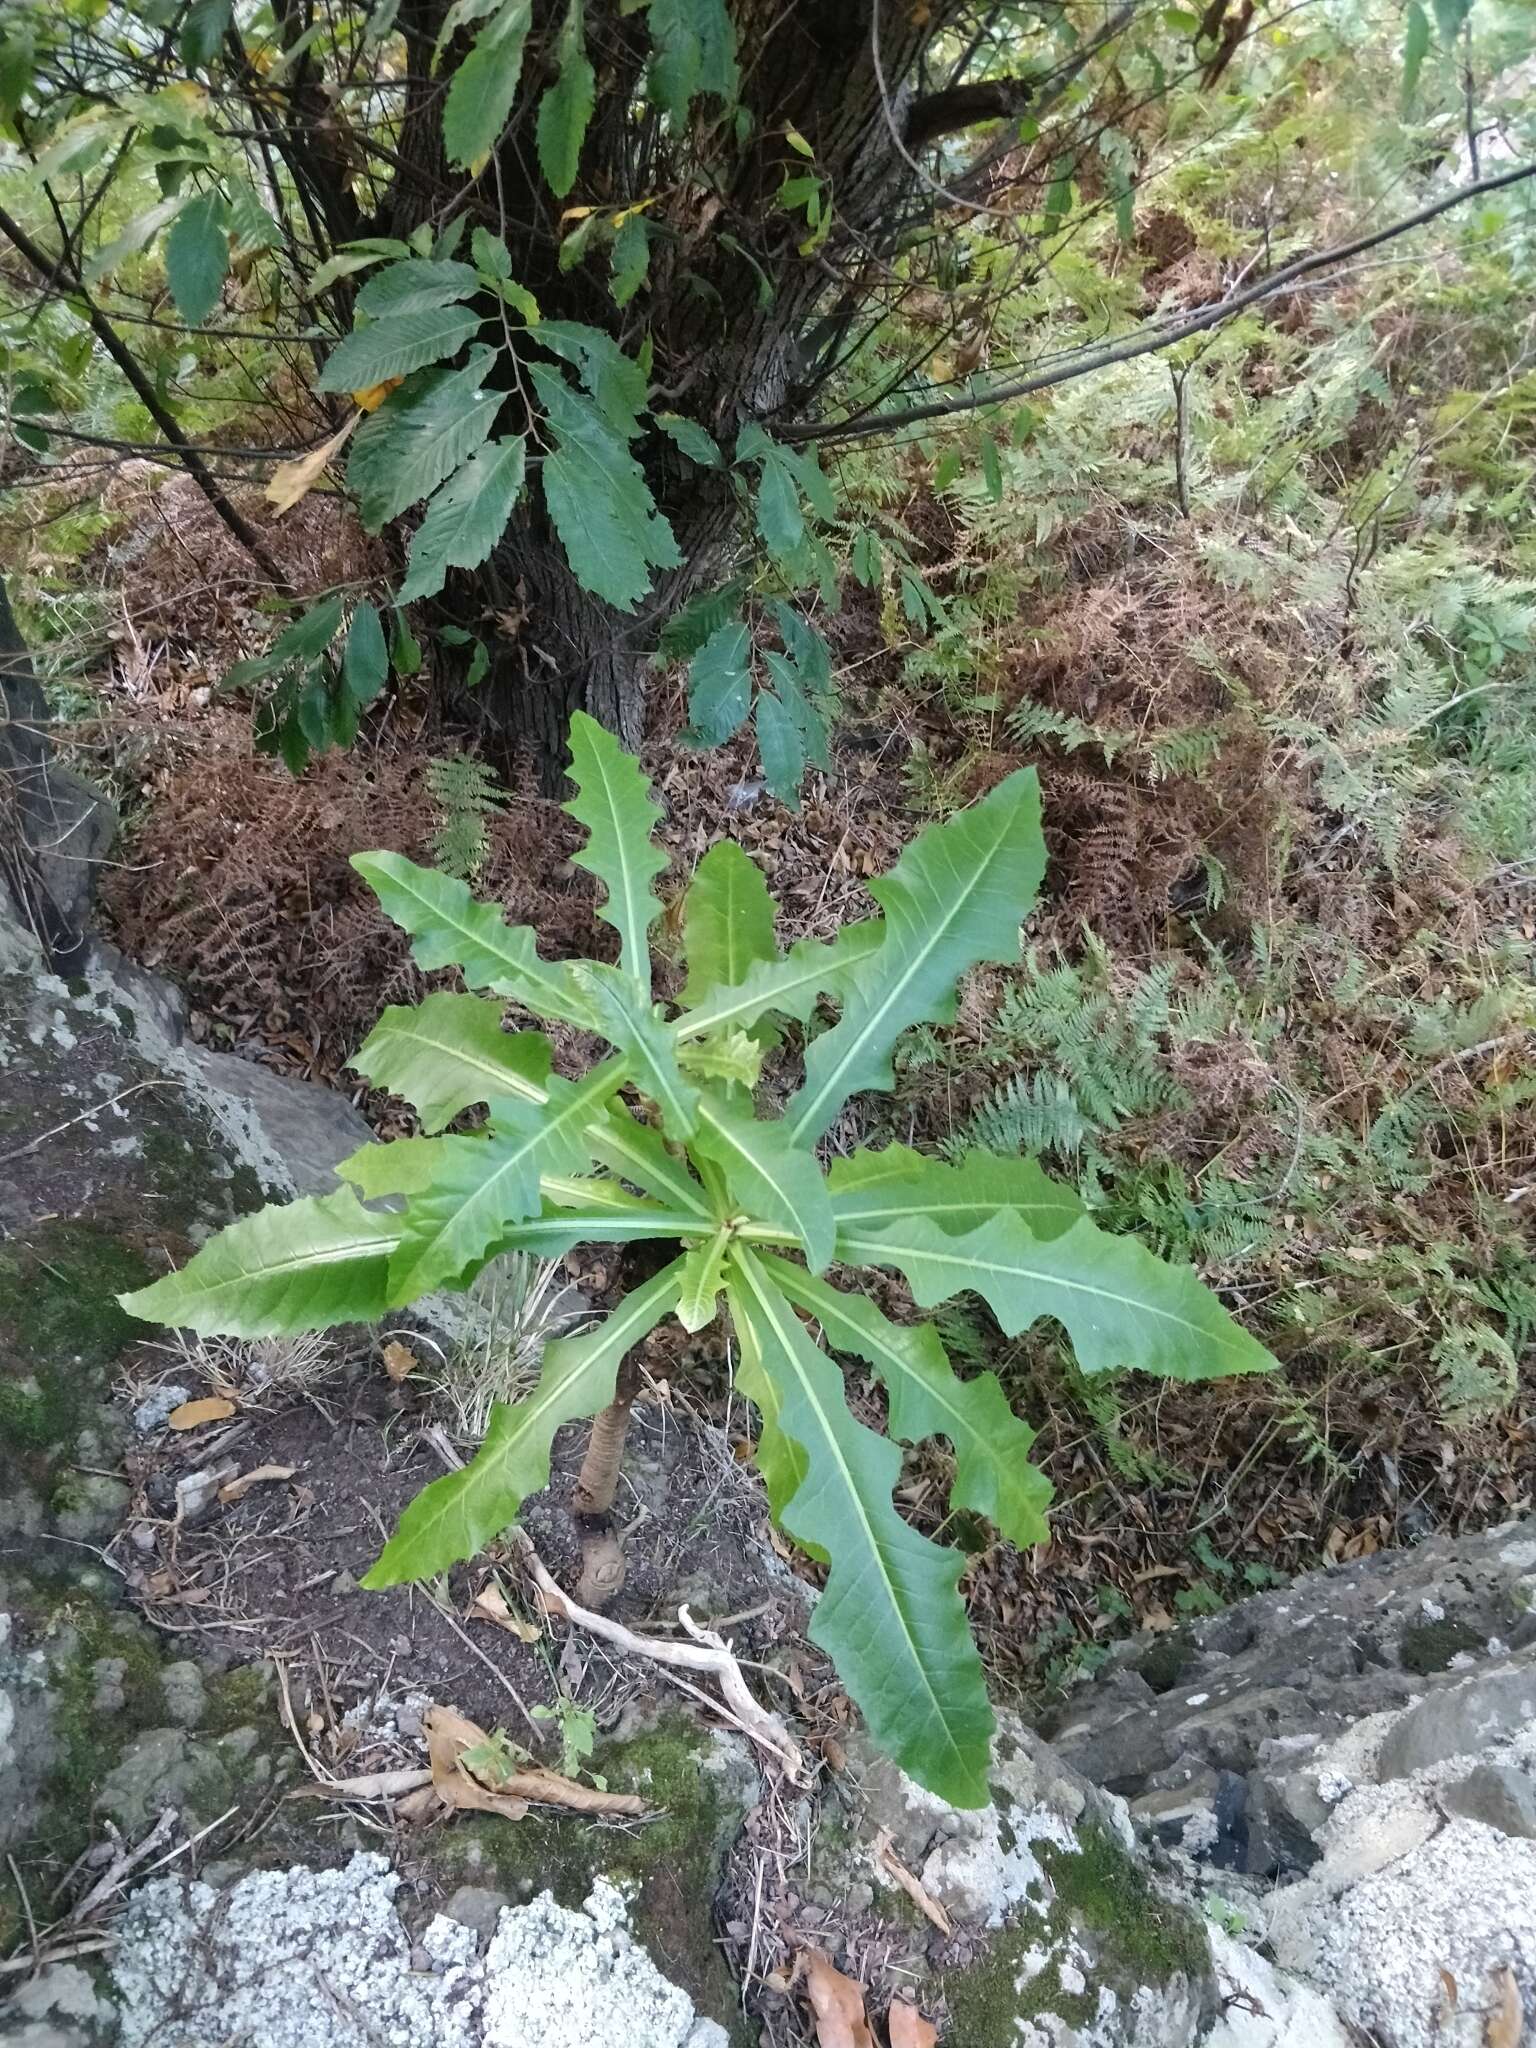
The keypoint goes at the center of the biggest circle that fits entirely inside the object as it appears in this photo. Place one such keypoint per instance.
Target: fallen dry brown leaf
(837, 2003)
(1506, 2020)
(490, 1604)
(192, 1414)
(400, 1361)
(450, 1735)
(237, 1489)
(887, 1861)
(296, 479)
(907, 2027)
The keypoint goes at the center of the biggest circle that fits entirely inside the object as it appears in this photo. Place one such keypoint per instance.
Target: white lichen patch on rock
(982, 1864)
(320, 1959)
(1423, 1880)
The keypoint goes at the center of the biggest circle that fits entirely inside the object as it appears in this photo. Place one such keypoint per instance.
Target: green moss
(69, 1274)
(1144, 1936)
(237, 1699)
(1429, 1646)
(31, 1419)
(1166, 1663)
(669, 1867)
(78, 1628)
(985, 2001)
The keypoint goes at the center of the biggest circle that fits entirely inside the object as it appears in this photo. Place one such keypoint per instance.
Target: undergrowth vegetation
(1260, 611)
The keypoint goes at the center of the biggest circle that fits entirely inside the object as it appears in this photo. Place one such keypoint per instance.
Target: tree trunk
(555, 648)
(733, 337)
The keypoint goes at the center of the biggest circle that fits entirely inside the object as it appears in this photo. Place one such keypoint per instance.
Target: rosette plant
(662, 1140)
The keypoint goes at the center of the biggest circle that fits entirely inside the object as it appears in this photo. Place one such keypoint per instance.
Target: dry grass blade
(890, 1865)
(837, 2003)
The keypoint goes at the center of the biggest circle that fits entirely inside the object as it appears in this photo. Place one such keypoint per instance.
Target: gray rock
(300, 1129)
(109, 1696)
(164, 1768)
(58, 2008)
(153, 1411)
(196, 1492)
(477, 1907)
(291, 1958)
(184, 1693)
(1461, 1720)
(1497, 1795)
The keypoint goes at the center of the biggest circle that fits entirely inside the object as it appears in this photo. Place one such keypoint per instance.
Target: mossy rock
(112, 1166)
(668, 1867)
(1427, 1647)
(1101, 1928)
(81, 1677)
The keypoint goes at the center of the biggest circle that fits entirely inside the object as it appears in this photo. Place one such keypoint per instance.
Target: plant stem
(597, 1483)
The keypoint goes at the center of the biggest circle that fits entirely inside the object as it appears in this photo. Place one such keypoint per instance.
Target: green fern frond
(467, 795)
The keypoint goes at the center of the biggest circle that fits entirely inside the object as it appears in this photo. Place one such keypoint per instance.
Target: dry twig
(707, 1652)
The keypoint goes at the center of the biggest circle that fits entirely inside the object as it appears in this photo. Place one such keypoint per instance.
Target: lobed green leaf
(891, 1617)
(873, 1188)
(993, 1475)
(955, 898)
(613, 800)
(1121, 1306)
(768, 1176)
(449, 928)
(727, 921)
(297, 1266)
(449, 1052)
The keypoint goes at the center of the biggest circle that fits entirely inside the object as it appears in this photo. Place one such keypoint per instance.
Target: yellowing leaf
(577, 213)
(372, 396)
(193, 1414)
(189, 94)
(296, 479)
(490, 1604)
